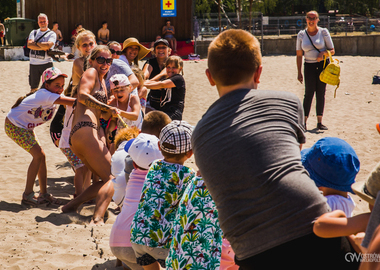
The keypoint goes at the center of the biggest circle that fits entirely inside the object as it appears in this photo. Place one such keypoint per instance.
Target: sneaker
(321, 126)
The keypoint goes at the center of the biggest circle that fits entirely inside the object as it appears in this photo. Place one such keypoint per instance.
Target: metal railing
(290, 25)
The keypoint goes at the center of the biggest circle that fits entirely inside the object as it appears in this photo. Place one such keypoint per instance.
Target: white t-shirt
(67, 123)
(41, 57)
(34, 110)
(337, 202)
(322, 41)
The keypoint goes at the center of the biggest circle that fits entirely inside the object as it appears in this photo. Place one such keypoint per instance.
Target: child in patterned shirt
(197, 236)
(163, 188)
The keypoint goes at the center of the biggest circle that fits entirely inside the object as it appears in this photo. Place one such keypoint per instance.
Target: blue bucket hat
(331, 162)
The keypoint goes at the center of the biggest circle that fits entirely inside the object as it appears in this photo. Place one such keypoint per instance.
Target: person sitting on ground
(115, 49)
(333, 165)
(168, 32)
(59, 42)
(164, 185)
(133, 51)
(74, 34)
(103, 34)
(247, 148)
(143, 151)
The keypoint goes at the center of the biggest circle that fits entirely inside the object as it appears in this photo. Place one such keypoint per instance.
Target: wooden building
(126, 18)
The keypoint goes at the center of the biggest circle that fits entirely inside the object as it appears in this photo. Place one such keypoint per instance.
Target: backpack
(25, 47)
(331, 74)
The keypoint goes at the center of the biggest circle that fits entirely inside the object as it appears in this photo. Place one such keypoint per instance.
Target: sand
(46, 238)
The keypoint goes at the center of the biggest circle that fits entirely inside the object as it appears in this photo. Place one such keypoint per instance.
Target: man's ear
(209, 77)
(257, 74)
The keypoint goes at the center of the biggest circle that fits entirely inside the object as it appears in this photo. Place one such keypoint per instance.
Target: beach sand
(46, 238)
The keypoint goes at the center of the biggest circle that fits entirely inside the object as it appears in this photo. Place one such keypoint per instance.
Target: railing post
(328, 23)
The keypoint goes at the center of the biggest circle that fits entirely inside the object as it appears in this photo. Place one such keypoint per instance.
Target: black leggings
(314, 85)
(307, 252)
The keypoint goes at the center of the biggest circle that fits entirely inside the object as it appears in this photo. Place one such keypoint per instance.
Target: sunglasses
(101, 60)
(161, 47)
(117, 52)
(312, 18)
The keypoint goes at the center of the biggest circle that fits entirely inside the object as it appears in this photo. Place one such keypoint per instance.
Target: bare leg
(79, 179)
(37, 167)
(97, 158)
(175, 45)
(319, 118)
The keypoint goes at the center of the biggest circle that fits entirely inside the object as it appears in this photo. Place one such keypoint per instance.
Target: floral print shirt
(163, 188)
(197, 236)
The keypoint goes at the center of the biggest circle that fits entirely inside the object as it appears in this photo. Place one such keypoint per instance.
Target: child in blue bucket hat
(333, 165)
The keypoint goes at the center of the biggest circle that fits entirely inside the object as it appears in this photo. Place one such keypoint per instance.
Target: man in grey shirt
(247, 148)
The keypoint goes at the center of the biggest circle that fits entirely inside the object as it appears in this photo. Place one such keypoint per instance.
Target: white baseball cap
(144, 150)
(119, 80)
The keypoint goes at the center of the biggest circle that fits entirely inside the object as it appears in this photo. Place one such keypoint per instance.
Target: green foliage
(290, 7)
(7, 9)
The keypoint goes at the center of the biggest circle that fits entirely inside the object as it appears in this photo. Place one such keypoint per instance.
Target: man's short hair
(54, 23)
(42, 15)
(233, 57)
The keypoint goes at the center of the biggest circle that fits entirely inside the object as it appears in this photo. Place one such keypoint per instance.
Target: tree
(7, 9)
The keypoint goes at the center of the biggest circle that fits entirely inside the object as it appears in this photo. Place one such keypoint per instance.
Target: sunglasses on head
(117, 52)
(101, 60)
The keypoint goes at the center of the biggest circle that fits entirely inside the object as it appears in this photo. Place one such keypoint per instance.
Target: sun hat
(119, 80)
(134, 42)
(175, 137)
(161, 40)
(368, 189)
(143, 150)
(331, 162)
(51, 74)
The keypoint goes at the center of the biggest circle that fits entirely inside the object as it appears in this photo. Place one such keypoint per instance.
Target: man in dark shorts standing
(39, 42)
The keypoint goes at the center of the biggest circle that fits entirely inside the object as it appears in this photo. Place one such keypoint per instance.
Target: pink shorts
(25, 138)
(72, 158)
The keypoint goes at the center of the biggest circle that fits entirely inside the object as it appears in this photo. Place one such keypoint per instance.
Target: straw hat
(133, 41)
(367, 190)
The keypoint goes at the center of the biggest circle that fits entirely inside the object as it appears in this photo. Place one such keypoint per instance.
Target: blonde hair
(139, 74)
(83, 34)
(176, 60)
(233, 57)
(126, 134)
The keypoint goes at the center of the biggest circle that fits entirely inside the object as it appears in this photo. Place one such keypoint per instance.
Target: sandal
(48, 198)
(30, 199)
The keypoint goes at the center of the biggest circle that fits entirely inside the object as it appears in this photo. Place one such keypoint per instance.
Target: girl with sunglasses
(313, 43)
(86, 139)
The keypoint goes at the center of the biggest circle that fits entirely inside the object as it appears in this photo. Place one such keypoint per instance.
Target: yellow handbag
(331, 74)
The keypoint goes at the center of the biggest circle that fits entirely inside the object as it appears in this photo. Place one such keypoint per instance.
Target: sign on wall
(168, 8)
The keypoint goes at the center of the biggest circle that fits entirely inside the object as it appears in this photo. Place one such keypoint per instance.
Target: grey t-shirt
(246, 147)
(118, 67)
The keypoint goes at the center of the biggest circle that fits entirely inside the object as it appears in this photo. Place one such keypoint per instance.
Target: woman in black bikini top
(85, 139)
